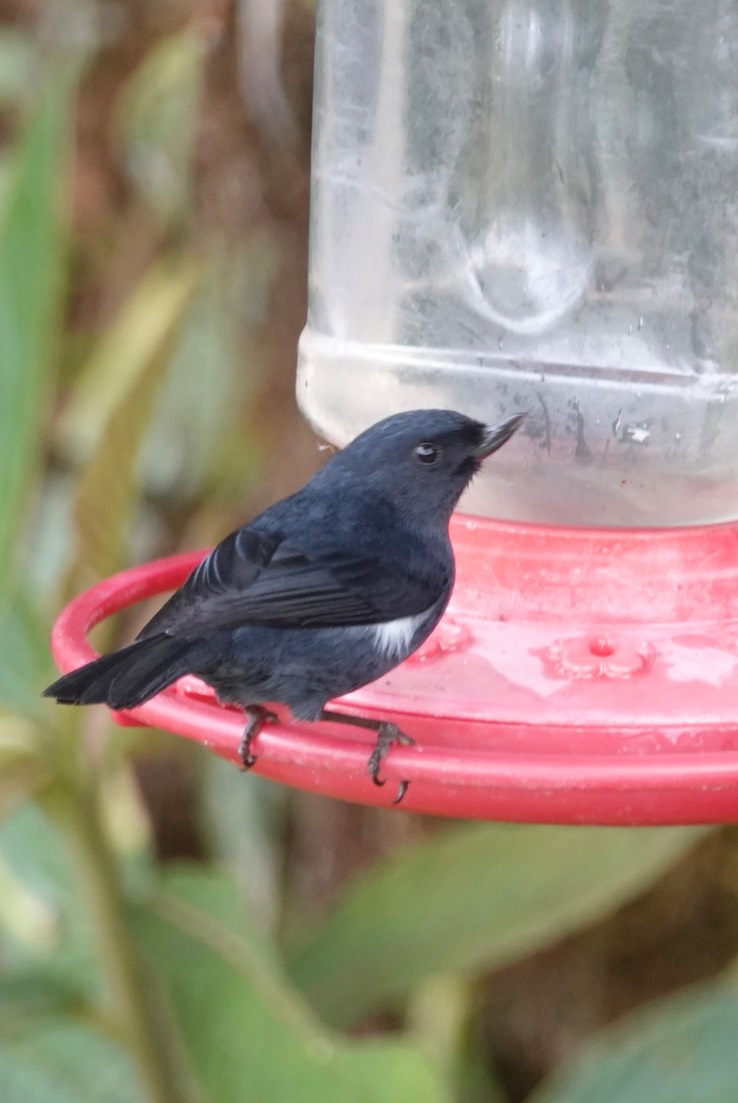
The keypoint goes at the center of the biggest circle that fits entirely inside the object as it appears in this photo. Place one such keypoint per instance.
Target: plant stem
(143, 1023)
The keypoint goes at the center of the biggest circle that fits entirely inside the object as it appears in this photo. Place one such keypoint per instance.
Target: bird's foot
(387, 736)
(258, 717)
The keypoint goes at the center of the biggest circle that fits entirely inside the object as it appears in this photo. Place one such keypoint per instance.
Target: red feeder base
(579, 676)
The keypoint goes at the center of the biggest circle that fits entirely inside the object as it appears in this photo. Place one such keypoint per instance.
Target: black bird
(325, 591)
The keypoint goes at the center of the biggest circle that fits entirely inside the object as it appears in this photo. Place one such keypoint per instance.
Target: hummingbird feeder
(529, 206)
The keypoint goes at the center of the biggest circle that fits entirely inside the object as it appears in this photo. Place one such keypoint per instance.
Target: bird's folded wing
(248, 580)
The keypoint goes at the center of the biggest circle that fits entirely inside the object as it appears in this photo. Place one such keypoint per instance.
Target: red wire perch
(579, 676)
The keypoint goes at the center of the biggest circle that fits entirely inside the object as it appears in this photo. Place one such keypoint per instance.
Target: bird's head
(422, 459)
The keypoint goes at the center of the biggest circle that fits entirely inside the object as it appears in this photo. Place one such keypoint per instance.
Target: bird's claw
(387, 736)
(258, 717)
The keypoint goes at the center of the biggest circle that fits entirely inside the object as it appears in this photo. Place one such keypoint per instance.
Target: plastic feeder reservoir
(532, 206)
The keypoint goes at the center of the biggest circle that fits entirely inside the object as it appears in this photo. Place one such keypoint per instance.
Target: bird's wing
(249, 579)
(230, 568)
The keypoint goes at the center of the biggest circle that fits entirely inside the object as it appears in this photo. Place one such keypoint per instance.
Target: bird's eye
(428, 453)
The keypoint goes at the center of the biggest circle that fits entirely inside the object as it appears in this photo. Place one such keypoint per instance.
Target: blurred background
(170, 930)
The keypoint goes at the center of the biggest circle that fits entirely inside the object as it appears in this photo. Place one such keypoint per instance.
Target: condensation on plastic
(534, 204)
(579, 676)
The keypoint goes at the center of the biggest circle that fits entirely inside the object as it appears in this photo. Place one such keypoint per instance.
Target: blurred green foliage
(467, 901)
(124, 980)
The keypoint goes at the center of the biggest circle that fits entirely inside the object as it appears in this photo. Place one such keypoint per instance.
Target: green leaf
(65, 1062)
(30, 994)
(244, 1029)
(24, 914)
(16, 64)
(678, 1051)
(24, 766)
(41, 910)
(36, 888)
(138, 338)
(442, 1015)
(199, 410)
(32, 848)
(110, 411)
(47, 1054)
(470, 899)
(158, 118)
(25, 655)
(31, 251)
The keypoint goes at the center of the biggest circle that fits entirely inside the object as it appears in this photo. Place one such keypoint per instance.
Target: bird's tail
(128, 677)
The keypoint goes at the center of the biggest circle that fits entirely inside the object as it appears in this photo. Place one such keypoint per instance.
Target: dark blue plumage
(325, 591)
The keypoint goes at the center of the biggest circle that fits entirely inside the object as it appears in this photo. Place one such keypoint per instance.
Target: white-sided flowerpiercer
(325, 591)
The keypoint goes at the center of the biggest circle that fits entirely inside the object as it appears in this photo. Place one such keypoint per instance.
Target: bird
(325, 591)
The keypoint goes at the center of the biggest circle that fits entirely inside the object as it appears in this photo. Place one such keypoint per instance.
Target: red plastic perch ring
(579, 676)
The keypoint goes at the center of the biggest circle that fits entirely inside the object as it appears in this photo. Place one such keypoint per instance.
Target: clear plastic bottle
(533, 204)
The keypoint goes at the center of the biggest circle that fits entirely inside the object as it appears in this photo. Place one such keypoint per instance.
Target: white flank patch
(393, 638)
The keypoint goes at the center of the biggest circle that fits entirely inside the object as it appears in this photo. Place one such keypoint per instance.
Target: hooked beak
(497, 435)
